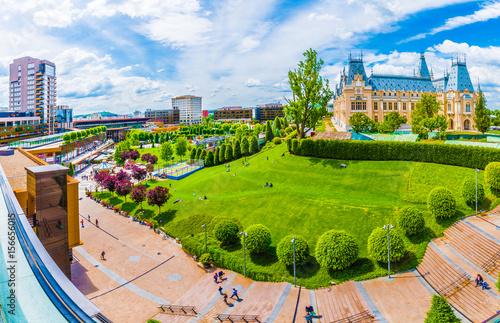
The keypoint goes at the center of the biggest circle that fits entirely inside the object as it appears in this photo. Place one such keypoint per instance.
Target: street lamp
(477, 171)
(205, 226)
(388, 226)
(244, 234)
(294, 272)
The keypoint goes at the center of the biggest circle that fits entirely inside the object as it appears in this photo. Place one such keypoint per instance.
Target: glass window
(31, 65)
(385, 105)
(449, 107)
(404, 106)
(375, 106)
(390, 105)
(467, 107)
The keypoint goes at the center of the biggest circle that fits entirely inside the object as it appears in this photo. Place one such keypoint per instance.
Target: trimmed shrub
(469, 192)
(258, 239)
(410, 220)
(440, 311)
(441, 203)
(153, 321)
(336, 250)
(205, 259)
(277, 140)
(226, 232)
(492, 175)
(284, 250)
(228, 153)
(377, 245)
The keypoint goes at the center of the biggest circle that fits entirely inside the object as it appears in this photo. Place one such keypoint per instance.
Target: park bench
(237, 318)
(178, 309)
(359, 317)
(455, 285)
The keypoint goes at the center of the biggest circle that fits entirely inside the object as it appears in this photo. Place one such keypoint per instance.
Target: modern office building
(378, 95)
(189, 107)
(169, 117)
(233, 114)
(64, 117)
(33, 89)
(270, 111)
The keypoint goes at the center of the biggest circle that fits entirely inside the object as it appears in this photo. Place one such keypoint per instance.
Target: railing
(178, 309)
(360, 317)
(491, 263)
(455, 285)
(237, 318)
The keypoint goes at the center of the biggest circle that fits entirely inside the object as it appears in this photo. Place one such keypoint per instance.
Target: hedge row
(457, 155)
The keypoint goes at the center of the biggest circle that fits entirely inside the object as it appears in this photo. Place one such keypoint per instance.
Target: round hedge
(441, 203)
(410, 220)
(258, 239)
(492, 175)
(205, 259)
(469, 192)
(226, 232)
(277, 140)
(377, 245)
(284, 250)
(336, 250)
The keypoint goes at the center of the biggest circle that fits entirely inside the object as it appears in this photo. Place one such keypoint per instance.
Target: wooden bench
(360, 317)
(178, 309)
(237, 318)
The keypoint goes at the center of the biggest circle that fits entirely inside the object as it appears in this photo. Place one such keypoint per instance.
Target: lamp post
(477, 171)
(205, 226)
(388, 226)
(244, 234)
(294, 272)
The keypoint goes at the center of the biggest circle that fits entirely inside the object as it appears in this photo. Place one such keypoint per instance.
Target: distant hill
(104, 114)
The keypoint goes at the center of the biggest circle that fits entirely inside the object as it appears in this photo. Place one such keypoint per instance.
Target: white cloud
(251, 82)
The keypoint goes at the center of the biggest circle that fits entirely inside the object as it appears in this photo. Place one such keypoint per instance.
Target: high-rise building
(64, 117)
(189, 108)
(33, 89)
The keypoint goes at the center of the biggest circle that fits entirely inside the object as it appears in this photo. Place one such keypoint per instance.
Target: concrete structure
(169, 117)
(378, 95)
(110, 123)
(64, 117)
(18, 128)
(33, 89)
(264, 112)
(233, 113)
(189, 109)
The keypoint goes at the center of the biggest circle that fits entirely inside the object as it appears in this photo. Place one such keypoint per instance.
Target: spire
(423, 71)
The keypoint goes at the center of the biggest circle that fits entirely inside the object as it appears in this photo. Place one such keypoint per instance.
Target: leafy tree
(145, 157)
(66, 137)
(122, 175)
(157, 137)
(198, 152)
(123, 188)
(100, 177)
(277, 123)
(79, 135)
(71, 171)
(482, 117)
(244, 145)
(203, 155)
(254, 145)
(377, 245)
(158, 196)
(226, 231)
(237, 150)
(492, 175)
(153, 159)
(239, 133)
(440, 311)
(469, 192)
(222, 154)
(124, 155)
(359, 122)
(392, 121)
(181, 147)
(73, 135)
(427, 107)
(193, 153)
(336, 250)
(216, 156)
(228, 153)
(441, 203)
(139, 174)
(209, 160)
(311, 94)
(284, 123)
(109, 183)
(269, 131)
(410, 220)
(150, 168)
(166, 151)
(258, 239)
(138, 194)
(284, 250)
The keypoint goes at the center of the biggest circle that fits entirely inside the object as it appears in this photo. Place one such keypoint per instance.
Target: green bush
(441, 203)
(492, 175)
(440, 312)
(288, 130)
(336, 250)
(284, 250)
(282, 133)
(277, 140)
(469, 192)
(498, 282)
(205, 259)
(226, 232)
(153, 321)
(258, 239)
(410, 220)
(494, 204)
(377, 245)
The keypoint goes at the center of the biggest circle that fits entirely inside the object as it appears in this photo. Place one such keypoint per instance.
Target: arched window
(466, 125)
(467, 107)
(451, 124)
(376, 118)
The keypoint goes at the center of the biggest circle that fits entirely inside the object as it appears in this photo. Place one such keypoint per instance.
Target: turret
(423, 71)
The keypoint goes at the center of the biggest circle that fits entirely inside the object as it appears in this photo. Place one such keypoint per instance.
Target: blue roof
(400, 83)
(355, 67)
(459, 78)
(424, 71)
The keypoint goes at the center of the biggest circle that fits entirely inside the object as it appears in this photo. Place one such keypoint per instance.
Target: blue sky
(121, 56)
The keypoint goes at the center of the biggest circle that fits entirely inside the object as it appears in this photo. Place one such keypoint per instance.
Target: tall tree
(123, 188)
(440, 311)
(109, 183)
(482, 115)
(269, 131)
(181, 147)
(277, 123)
(254, 145)
(138, 194)
(228, 154)
(427, 107)
(158, 196)
(311, 93)
(166, 151)
(222, 154)
(237, 149)
(100, 177)
(216, 156)
(244, 145)
(209, 160)
(139, 174)
(392, 121)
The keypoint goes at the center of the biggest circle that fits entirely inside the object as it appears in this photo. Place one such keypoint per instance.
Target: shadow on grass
(166, 216)
(424, 236)
(361, 267)
(306, 270)
(448, 222)
(333, 163)
(264, 259)
(129, 207)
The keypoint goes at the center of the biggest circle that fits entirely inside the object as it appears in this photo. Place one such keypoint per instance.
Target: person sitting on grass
(205, 197)
(271, 185)
(267, 184)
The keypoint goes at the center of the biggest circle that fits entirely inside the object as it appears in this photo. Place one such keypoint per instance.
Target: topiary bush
(410, 220)
(441, 203)
(284, 250)
(277, 140)
(469, 192)
(377, 245)
(440, 312)
(226, 232)
(205, 259)
(492, 175)
(258, 239)
(336, 250)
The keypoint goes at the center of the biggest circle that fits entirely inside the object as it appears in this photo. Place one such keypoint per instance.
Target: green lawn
(309, 197)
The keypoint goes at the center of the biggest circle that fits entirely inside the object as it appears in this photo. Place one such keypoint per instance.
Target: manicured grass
(310, 196)
(320, 127)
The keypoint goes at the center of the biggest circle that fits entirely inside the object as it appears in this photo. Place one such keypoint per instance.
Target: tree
(153, 159)
(228, 153)
(193, 153)
(100, 177)
(392, 121)
(492, 175)
(254, 145)
(139, 174)
(427, 107)
(157, 137)
(284, 250)
(336, 250)
(377, 245)
(203, 155)
(410, 220)
(71, 171)
(226, 231)
(122, 175)
(73, 135)
(198, 152)
(158, 196)
(277, 123)
(359, 122)
(440, 311)
(310, 94)
(138, 194)
(216, 156)
(482, 117)
(244, 145)
(145, 157)
(150, 168)
(209, 160)
(269, 131)
(441, 203)
(222, 154)
(79, 134)
(109, 183)
(237, 150)
(123, 188)
(166, 151)
(66, 137)
(181, 147)
(469, 192)
(124, 155)
(258, 239)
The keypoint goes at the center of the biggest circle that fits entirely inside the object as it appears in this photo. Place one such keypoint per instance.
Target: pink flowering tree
(138, 194)
(122, 175)
(123, 188)
(139, 174)
(153, 159)
(158, 196)
(134, 154)
(145, 157)
(110, 184)
(125, 155)
(100, 177)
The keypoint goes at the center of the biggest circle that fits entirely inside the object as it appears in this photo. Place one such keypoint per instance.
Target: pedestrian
(221, 273)
(309, 318)
(235, 293)
(225, 297)
(220, 290)
(89, 217)
(82, 223)
(96, 223)
(267, 157)
(170, 185)
(102, 255)
(216, 278)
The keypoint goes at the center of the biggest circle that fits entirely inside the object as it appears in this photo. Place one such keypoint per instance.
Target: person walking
(235, 293)
(102, 255)
(309, 318)
(220, 290)
(216, 278)
(89, 217)
(96, 223)
(82, 223)
(225, 297)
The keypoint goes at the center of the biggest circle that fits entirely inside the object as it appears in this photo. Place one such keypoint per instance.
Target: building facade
(189, 107)
(167, 116)
(64, 117)
(264, 112)
(378, 95)
(233, 114)
(33, 89)
(14, 127)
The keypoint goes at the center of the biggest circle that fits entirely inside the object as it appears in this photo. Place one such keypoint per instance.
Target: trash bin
(483, 213)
